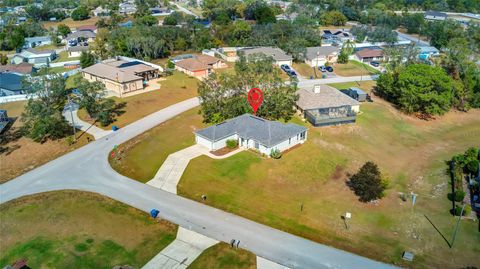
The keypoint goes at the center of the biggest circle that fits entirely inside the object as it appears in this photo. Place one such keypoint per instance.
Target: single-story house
(279, 56)
(81, 35)
(160, 11)
(435, 15)
(336, 36)
(181, 57)
(252, 132)
(39, 58)
(427, 52)
(127, 8)
(199, 66)
(101, 12)
(120, 76)
(324, 105)
(229, 54)
(369, 54)
(318, 56)
(92, 28)
(76, 51)
(21, 68)
(32, 42)
(11, 84)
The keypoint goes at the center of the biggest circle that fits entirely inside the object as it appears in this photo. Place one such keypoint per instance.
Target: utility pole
(456, 226)
(70, 106)
(452, 175)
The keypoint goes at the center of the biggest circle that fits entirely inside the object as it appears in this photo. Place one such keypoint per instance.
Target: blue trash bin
(154, 213)
(114, 128)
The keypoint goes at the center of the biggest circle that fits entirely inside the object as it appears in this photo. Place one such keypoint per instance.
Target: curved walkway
(87, 169)
(72, 118)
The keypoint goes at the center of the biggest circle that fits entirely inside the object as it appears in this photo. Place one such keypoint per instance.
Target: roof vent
(316, 88)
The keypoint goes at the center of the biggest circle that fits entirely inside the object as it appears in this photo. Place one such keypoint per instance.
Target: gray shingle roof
(82, 33)
(276, 53)
(322, 51)
(248, 126)
(11, 82)
(328, 97)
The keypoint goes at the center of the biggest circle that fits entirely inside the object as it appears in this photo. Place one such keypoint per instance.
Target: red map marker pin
(255, 98)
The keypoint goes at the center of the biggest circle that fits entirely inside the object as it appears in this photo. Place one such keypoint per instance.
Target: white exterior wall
(223, 142)
(313, 63)
(356, 108)
(279, 63)
(294, 140)
(204, 142)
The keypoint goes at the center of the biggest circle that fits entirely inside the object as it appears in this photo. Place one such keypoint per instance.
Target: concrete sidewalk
(169, 174)
(182, 251)
(82, 125)
(266, 264)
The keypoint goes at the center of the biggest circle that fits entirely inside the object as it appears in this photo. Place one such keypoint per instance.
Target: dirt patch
(338, 173)
(223, 151)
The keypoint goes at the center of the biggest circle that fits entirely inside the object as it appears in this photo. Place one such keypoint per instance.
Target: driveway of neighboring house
(72, 118)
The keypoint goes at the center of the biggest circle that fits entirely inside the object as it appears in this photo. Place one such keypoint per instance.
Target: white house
(76, 51)
(39, 58)
(279, 56)
(318, 56)
(253, 133)
(31, 42)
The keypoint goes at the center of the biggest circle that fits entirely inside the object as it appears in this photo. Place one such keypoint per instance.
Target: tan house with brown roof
(369, 55)
(121, 77)
(199, 66)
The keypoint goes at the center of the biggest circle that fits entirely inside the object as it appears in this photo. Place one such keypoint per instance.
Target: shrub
(459, 195)
(367, 183)
(276, 154)
(232, 143)
(466, 211)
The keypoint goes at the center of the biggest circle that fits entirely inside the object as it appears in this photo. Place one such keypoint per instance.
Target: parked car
(329, 68)
(375, 63)
(285, 67)
(322, 68)
(72, 42)
(291, 73)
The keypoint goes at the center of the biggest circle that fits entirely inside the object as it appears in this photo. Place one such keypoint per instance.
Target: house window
(257, 145)
(302, 136)
(289, 140)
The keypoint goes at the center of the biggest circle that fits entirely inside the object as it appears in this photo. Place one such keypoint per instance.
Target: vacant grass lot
(71, 229)
(353, 68)
(174, 89)
(410, 152)
(71, 23)
(222, 256)
(23, 154)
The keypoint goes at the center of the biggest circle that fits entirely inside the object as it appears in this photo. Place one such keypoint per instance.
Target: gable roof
(92, 28)
(81, 33)
(22, 68)
(367, 53)
(37, 39)
(328, 97)
(248, 126)
(276, 53)
(207, 59)
(312, 52)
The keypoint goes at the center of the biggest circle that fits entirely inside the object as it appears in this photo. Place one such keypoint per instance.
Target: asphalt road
(87, 169)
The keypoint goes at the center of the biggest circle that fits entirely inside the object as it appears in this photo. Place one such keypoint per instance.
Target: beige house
(318, 56)
(199, 66)
(121, 77)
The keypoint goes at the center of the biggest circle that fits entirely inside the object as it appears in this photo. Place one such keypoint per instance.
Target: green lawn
(141, 157)
(177, 87)
(306, 70)
(354, 68)
(63, 57)
(410, 152)
(71, 229)
(222, 256)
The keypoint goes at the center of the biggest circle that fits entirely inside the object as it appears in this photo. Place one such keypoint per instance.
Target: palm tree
(348, 46)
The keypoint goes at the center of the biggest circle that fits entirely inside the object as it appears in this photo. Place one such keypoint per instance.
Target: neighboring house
(435, 15)
(356, 94)
(369, 54)
(76, 51)
(101, 12)
(81, 35)
(323, 105)
(160, 11)
(92, 28)
(318, 56)
(11, 84)
(20, 69)
(181, 57)
(121, 77)
(252, 132)
(336, 36)
(127, 8)
(229, 54)
(427, 52)
(39, 58)
(199, 66)
(279, 56)
(32, 42)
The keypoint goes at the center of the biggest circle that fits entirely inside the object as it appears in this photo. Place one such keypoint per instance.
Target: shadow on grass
(444, 238)
(9, 134)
